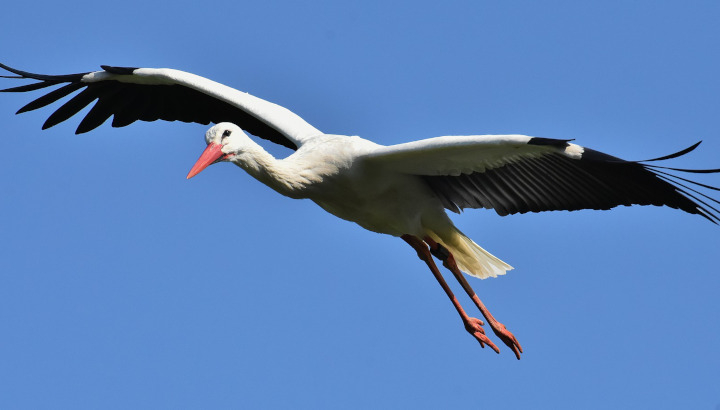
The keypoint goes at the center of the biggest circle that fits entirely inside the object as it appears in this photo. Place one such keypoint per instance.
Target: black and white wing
(518, 174)
(150, 94)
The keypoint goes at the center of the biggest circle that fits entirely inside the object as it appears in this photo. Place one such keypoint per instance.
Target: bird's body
(402, 190)
(338, 173)
(379, 201)
(331, 172)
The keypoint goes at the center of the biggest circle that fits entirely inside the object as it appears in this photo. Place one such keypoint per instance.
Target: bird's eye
(226, 133)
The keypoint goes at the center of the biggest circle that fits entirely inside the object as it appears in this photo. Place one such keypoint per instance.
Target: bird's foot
(508, 338)
(474, 327)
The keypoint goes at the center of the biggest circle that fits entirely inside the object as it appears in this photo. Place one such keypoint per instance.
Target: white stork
(401, 190)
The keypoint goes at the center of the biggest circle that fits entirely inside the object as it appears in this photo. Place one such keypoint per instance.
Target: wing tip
(43, 77)
(675, 154)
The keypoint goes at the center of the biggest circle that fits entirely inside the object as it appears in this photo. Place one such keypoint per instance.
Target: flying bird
(401, 190)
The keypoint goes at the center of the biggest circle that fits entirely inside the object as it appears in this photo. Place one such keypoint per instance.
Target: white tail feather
(470, 257)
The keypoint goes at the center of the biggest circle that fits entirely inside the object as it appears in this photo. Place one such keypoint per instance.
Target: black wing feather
(130, 113)
(30, 87)
(676, 154)
(557, 182)
(129, 102)
(54, 78)
(103, 109)
(74, 105)
(51, 97)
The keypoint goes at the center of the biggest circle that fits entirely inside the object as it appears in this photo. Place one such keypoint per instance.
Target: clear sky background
(122, 285)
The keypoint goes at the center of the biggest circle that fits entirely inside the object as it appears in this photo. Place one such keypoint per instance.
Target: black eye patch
(226, 133)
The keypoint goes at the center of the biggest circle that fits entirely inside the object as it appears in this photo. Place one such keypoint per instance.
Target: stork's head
(224, 141)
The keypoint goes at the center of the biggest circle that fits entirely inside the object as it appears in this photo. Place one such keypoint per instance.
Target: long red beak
(212, 153)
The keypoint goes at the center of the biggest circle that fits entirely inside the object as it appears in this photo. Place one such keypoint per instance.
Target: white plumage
(402, 190)
(371, 185)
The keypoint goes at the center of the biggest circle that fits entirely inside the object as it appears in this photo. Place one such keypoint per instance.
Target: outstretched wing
(150, 94)
(518, 174)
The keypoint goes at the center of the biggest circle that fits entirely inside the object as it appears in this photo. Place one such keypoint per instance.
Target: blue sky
(122, 285)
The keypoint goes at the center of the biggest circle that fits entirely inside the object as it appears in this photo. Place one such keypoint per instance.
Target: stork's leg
(500, 330)
(472, 325)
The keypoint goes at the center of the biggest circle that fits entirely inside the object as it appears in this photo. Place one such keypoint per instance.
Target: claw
(474, 327)
(507, 337)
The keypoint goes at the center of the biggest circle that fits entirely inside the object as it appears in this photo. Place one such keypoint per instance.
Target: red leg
(498, 328)
(472, 325)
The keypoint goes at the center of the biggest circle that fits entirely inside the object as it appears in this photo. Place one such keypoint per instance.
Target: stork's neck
(279, 174)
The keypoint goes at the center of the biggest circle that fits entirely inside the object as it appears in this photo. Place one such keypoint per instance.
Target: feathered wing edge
(703, 206)
(558, 182)
(159, 94)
